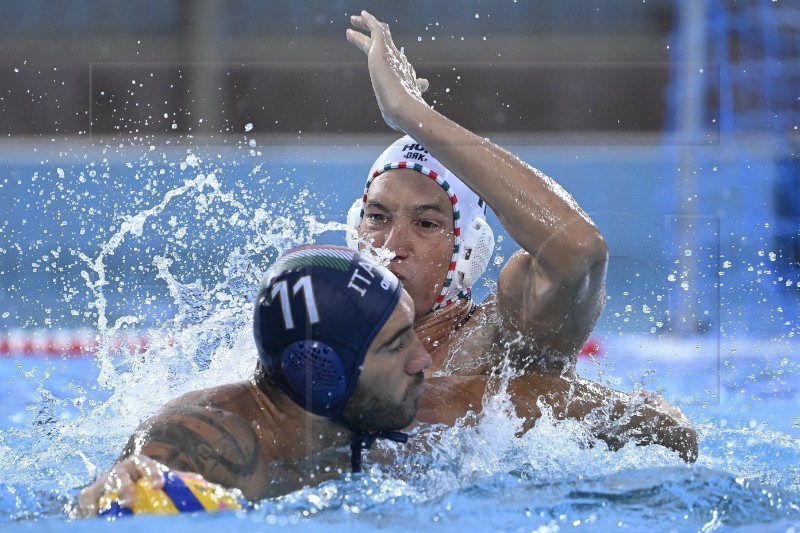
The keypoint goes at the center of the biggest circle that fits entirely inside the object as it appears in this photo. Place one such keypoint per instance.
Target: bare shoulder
(199, 432)
(492, 338)
(475, 348)
(223, 396)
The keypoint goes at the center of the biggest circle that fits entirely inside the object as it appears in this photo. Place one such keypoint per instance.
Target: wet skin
(410, 214)
(263, 443)
(549, 294)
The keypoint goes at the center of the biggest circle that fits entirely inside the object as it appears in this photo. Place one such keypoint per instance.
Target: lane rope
(84, 343)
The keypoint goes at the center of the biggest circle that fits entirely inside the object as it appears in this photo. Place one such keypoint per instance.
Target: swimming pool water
(748, 473)
(172, 243)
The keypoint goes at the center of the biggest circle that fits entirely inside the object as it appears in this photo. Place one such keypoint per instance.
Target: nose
(397, 240)
(419, 360)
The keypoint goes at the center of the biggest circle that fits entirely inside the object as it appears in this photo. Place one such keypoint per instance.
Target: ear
(353, 222)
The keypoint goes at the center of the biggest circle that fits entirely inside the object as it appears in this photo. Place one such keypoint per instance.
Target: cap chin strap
(363, 440)
(477, 245)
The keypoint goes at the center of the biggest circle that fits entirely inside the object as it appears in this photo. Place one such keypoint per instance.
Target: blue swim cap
(318, 309)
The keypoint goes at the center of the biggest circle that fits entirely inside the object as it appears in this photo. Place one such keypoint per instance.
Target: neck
(297, 432)
(436, 328)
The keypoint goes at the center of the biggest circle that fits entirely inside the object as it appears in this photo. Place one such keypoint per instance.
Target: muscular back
(221, 434)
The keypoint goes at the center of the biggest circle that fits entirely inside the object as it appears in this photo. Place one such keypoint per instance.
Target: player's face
(391, 379)
(409, 214)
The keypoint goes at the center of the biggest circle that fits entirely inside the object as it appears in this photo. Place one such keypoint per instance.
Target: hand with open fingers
(394, 80)
(121, 479)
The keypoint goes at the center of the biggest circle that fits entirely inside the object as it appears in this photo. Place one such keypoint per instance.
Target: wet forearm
(653, 421)
(612, 416)
(534, 209)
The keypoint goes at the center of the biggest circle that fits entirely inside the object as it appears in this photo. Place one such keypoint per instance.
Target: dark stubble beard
(366, 410)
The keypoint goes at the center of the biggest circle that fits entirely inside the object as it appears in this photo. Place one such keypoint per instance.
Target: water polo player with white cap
(549, 292)
(473, 240)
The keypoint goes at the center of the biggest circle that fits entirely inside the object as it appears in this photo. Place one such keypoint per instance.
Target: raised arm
(553, 290)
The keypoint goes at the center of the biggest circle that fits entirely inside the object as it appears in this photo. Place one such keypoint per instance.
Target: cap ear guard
(476, 249)
(314, 373)
(353, 221)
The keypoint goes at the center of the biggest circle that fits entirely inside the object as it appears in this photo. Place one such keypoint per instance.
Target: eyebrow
(418, 209)
(399, 333)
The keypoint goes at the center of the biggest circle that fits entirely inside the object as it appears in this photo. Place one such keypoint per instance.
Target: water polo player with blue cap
(318, 310)
(339, 363)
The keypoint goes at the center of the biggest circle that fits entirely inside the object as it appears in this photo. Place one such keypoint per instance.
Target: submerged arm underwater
(614, 417)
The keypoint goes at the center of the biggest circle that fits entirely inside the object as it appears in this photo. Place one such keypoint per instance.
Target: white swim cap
(474, 240)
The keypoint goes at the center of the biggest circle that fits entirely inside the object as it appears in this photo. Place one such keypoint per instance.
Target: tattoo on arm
(211, 442)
